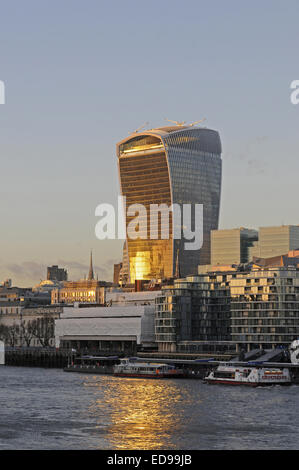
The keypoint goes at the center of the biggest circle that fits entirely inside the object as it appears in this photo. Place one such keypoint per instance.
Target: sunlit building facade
(265, 307)
(170, 165)
(273, 241)
(232, 246)
(85, 291)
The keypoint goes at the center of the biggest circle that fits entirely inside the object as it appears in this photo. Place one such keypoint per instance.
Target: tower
(170, 165)
(90, 274)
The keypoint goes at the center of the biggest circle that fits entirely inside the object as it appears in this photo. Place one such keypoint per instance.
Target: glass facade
(170, 165)
(232, 246)
(194, 309)
(265, 307)
(275, 241)
(252, 309)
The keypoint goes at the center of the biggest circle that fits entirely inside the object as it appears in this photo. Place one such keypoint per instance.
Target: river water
(52, 409)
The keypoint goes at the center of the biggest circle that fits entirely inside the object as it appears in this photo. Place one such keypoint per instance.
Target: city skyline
(70, 97)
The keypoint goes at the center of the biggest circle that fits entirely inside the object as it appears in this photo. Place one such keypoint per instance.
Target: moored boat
(92, 364)
(226, 374)
(128, 368)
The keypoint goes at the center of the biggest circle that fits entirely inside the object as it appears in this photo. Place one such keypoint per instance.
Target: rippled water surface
(52, 409)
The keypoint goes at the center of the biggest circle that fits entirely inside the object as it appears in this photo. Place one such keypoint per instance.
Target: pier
(36, 357)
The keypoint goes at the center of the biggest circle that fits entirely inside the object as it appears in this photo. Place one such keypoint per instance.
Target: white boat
(248, 375)
(129, 368)
(294, 352)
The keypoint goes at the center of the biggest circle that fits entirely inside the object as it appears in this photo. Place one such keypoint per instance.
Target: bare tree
(4, 333)
(43, 329)
(10, 334)
(27, 331)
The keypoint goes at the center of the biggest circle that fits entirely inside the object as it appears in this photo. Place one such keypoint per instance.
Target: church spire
(90, 274)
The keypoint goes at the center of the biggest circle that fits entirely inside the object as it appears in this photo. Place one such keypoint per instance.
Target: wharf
(36, 357)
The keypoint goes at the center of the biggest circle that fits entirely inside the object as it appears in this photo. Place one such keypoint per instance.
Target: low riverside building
(125, 326)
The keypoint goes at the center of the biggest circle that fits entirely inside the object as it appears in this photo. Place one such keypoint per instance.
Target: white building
(2, 354)
(128, 323)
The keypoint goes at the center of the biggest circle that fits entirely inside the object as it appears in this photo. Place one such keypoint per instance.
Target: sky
(80, 76)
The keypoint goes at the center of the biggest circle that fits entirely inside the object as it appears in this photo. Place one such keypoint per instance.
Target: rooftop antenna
(177, 123)
(139, 128)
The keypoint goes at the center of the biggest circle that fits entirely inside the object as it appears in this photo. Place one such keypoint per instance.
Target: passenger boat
(92, 364)
(247, 375)
(129, 368)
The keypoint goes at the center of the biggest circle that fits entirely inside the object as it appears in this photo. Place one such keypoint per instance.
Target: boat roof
(147, 364)
(109, 358)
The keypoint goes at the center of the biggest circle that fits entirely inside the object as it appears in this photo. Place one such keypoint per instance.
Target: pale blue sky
(80, 76)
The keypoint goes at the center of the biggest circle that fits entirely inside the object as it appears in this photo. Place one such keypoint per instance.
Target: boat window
(224, 374)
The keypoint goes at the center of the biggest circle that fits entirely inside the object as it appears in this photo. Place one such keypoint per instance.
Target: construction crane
(197, 122)
(139, 128)
(178, 123)
(182, 123)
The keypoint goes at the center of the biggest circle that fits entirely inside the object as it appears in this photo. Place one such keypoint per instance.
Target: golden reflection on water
(143, 413)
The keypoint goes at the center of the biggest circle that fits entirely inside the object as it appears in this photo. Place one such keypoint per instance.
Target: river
(52, 409)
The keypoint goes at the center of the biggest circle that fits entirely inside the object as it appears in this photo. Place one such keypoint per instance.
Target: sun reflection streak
(143, 413)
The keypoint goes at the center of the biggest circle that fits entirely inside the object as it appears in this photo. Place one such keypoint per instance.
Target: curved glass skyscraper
(170, 165)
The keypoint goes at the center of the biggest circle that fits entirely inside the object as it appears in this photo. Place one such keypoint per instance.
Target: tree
(10, 334)
(27, 331)
(43, 329)
(4, 333)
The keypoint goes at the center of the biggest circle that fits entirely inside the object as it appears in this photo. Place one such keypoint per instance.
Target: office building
(54, 273)
(170, 165)
(273, 241)
(232, 246)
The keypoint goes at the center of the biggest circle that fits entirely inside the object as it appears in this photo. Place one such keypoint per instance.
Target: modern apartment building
(256, 306)
(193, 309)
(265, 307)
